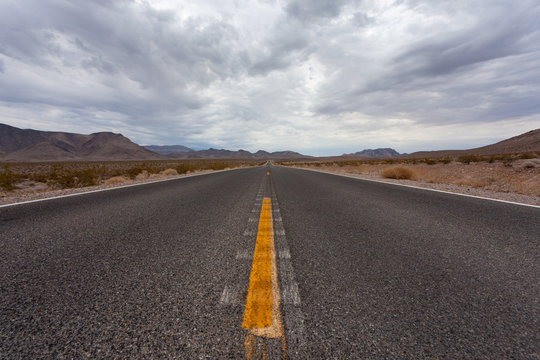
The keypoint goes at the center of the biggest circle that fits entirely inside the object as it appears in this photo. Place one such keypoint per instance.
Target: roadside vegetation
(509, 173)
(506, 159)
(66, 175)
(398, 172)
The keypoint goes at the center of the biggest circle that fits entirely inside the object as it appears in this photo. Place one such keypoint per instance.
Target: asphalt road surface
(365, 271)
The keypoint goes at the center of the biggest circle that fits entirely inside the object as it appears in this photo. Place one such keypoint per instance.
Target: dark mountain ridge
(527, 142)
(240, 154)
(376, 153)
(34, 145)
(169, 149)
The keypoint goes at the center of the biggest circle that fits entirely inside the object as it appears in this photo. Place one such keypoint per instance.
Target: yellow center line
(262, 316)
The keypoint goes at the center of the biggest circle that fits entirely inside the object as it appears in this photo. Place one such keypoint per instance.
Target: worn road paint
(262, 316)
(243, 254)
(230, 295)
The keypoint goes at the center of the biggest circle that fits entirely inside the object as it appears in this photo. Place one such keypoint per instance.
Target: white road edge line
(118, 187)
(420, 188)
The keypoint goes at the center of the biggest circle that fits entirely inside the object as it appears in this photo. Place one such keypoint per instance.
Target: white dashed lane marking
(243, 254)
(230, 295)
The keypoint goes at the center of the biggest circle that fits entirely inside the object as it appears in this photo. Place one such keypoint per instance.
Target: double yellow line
(262, 316)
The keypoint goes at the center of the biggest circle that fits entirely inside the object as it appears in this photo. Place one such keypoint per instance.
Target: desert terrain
(37, 180)
(36, 164)
(511, 178)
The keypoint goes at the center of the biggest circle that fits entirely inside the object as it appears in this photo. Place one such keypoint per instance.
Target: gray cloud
(309, 10)
(466, 71)
(158, 62)
(308, 75)
(509, 31)
(362, 19)
(289, 43)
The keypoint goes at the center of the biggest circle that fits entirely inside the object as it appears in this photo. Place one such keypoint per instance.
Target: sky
(317, 77)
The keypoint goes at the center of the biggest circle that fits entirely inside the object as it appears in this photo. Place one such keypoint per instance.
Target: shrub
(142, 175)
(467, 159)
(67, 180)
(7, 180)
(183, 168)
(398, 172)
(43, 178)
(526, 156)
(529, 165)
(170, 172)
(218, 166)
(86, 177)
(494, 158)
(134, 171)
(116, 180)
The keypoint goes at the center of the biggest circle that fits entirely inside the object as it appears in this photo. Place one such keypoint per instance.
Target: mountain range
(34, 145)
(527, 142)
(183, 152)
(377, 153)
(170, 150)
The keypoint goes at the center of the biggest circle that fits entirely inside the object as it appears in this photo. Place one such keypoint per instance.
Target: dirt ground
(518, 181)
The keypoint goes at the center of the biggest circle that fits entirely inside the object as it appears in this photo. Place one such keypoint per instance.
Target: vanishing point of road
(269, 262)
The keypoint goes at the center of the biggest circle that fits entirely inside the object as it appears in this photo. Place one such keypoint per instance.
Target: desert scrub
(134, 171)
(73, 174)
(467, 159)
(398, 172)
(183, 168)
(7, 179)
(218, 166)
(116, 180)
(170, 172)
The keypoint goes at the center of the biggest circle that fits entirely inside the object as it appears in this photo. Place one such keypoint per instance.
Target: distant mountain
(34, 145)
(377, 153)
(183, 152)
(242, 154)
(527, 142)
(169, 149)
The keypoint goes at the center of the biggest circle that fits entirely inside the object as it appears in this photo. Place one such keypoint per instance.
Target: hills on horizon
(171, 150)
(34, 145)
(524, 143)
(376, 153)
(182, 152)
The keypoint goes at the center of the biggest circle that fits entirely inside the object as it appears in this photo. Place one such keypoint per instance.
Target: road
(364, 271)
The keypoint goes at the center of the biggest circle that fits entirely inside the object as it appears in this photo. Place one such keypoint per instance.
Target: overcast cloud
(319, 77)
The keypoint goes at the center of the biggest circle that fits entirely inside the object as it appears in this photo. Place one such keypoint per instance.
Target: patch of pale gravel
(513, 197)
(18, 196)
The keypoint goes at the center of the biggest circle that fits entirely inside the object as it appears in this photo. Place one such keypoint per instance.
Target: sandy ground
(517, 183)
(30, 190)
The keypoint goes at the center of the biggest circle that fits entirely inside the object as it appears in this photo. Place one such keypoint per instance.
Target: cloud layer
(321, 77)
